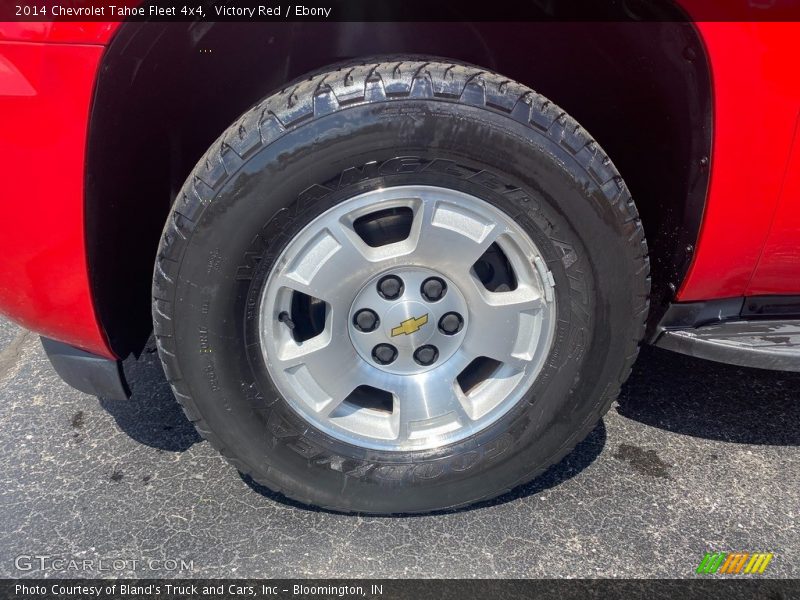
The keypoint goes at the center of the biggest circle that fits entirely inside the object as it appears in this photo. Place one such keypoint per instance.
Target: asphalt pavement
(695, 457)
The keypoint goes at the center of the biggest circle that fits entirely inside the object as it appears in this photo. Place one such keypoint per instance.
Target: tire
(370, 129)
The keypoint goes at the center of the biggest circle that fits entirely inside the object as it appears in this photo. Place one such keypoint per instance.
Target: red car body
(748, 245)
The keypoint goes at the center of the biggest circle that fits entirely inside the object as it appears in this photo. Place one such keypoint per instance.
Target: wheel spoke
(428, 404)
(335, 367)
(329, 267)
(496, 325)
(452, 236)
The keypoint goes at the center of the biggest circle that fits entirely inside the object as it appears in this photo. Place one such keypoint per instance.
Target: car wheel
(399, 287)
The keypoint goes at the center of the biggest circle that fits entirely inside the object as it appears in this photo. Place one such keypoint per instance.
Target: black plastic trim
(772, 306)
(762, 343)
(757, 331)
(87, 372)
(690, 315)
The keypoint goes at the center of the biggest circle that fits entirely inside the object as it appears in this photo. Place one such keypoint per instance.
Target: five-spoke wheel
(413, 349)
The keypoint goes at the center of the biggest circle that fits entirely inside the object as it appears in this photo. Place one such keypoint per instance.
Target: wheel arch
(165, 91)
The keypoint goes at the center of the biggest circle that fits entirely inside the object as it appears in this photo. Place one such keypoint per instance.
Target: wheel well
(165, 91)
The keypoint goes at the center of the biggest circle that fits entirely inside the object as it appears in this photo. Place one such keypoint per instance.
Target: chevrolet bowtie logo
(410, 326)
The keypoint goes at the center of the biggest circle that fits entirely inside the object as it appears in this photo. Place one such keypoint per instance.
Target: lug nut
(366, 320)
(390, 287)
(384, 354)
(451, 323)
(426, 355)
(433, 289)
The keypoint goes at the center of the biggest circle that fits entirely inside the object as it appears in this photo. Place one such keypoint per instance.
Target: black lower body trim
(761, 344)
(87, 372)
(761, 332)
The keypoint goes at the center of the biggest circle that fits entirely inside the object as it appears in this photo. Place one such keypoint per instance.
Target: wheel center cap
(409, 324)
(396, 320)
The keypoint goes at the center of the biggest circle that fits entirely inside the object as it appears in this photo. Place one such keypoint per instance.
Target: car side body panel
(779, 264)
(45, 96)
(60, 32)
(756, 105)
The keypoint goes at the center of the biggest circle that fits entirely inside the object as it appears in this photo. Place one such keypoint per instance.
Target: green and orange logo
(734, 563)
